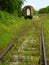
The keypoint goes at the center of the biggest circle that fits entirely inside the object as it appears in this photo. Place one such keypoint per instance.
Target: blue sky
(37, 4)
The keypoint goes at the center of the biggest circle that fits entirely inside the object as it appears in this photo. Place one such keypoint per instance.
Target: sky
(37, 4)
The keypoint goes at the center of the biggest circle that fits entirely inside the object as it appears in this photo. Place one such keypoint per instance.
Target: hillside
(28, 40)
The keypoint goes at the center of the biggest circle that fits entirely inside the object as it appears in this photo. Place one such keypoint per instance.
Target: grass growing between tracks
(44, 19)
(27, 46)
(46, 35)
(11, 26)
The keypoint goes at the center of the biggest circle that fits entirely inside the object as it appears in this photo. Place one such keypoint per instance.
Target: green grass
(12, 26)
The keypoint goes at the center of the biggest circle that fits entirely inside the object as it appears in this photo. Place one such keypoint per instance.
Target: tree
(44, 10)
(11, 5)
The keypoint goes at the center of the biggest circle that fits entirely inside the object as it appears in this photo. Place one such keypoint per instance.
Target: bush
(11, 5)
(44, 10)
(7, 18)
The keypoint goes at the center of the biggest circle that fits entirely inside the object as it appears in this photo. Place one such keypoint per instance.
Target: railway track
(42, 49)
(9, 47)
(43, 60)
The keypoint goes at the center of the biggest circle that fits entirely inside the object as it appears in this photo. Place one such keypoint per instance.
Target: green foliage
(44, 10)
(11, 5)
(6, 18)
(35, 12)
(11, 26)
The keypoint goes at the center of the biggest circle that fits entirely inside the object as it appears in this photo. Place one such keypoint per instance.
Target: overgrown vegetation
(12, 6)
(44, 10)
(11, 26)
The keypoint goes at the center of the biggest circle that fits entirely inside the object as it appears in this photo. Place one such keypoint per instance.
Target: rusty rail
(7, 49)
(12, 43)
(42, 48)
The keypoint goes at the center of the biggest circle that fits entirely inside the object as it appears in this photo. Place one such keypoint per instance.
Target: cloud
(37, 4)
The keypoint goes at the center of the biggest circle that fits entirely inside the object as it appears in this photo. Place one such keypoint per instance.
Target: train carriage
(28, 11)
